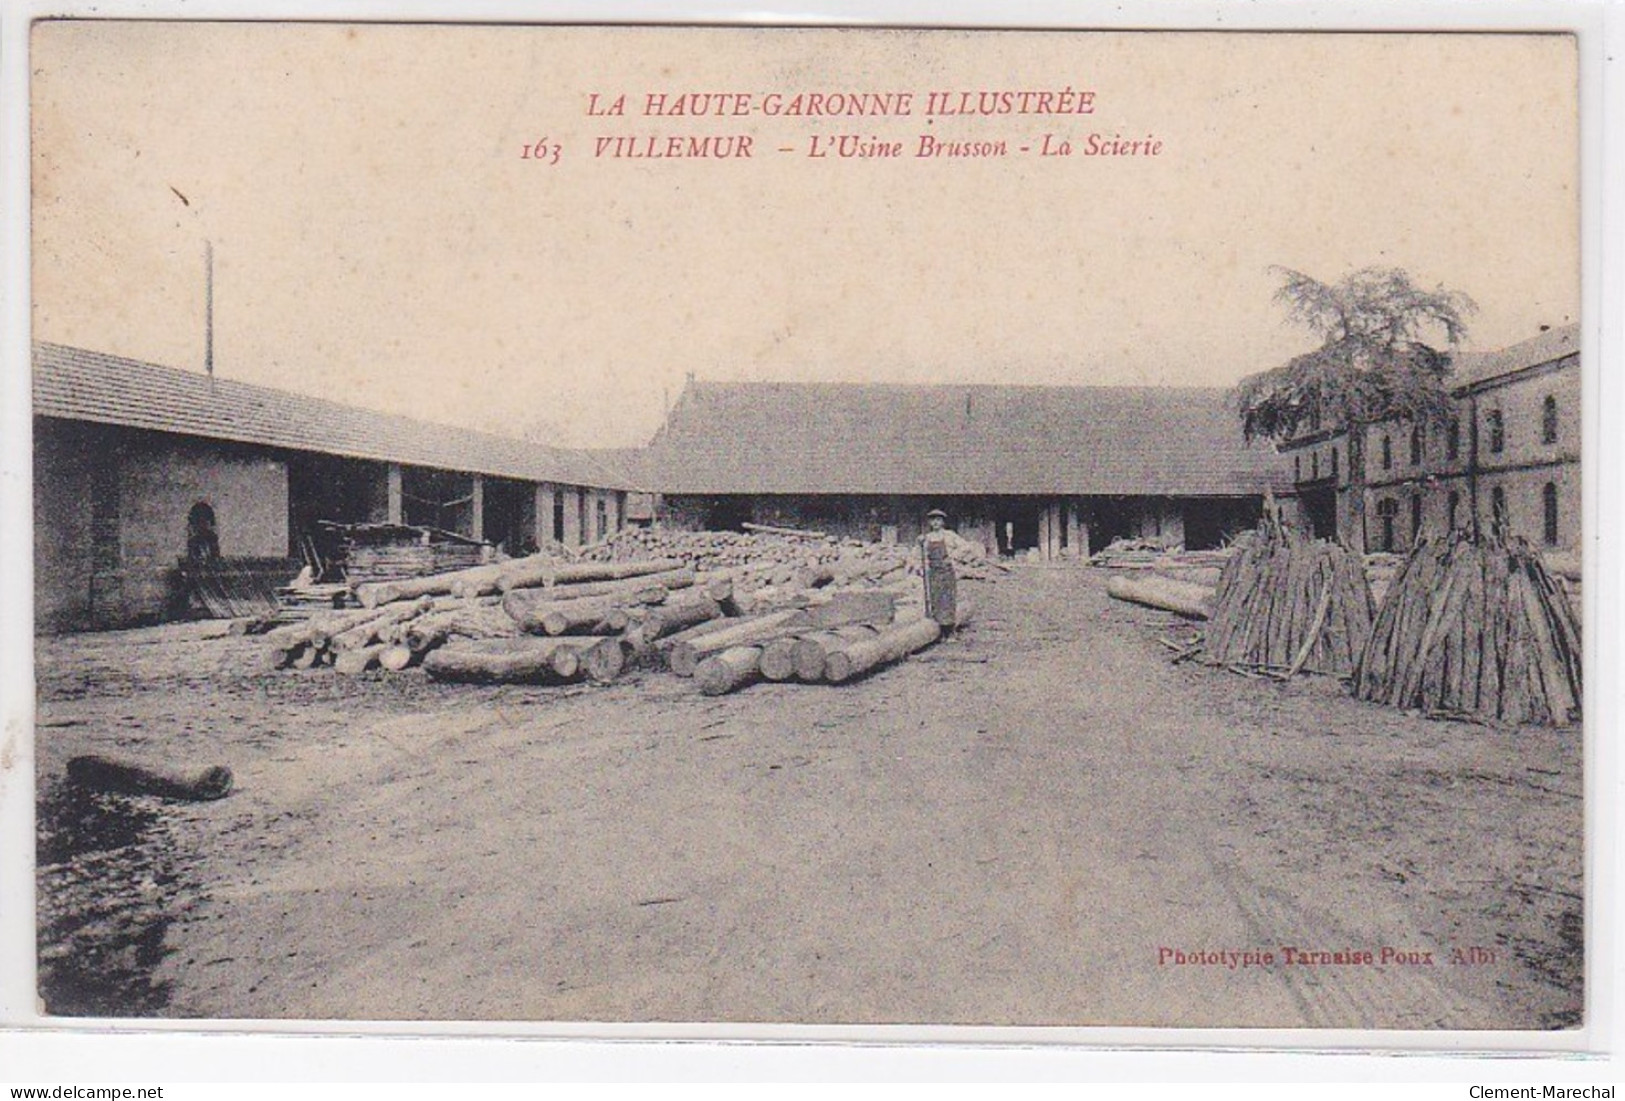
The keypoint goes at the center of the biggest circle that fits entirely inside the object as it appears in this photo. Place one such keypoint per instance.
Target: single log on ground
(729, 669)
(130, 778)
(505, 661)
(811, 651)
(1182, 597)
(685, 656)
(889, 646)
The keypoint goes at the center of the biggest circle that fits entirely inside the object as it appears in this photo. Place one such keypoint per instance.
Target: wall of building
(68, 459)
(1525, 463)
(1053, 527)
(111, 509)
(161, 479)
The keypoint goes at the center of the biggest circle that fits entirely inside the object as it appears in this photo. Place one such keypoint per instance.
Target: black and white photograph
(811, 526)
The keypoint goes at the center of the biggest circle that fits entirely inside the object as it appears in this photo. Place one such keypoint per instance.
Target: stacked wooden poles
(1475, 628)
(1286, 603)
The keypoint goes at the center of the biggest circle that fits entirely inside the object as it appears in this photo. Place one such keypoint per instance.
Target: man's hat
(936, 512)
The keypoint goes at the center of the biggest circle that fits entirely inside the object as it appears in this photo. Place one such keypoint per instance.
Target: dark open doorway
(1015, 524)
(1319, 508)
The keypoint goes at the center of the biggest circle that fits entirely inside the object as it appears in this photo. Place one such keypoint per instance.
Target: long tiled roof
(76, 384)
(878, 439)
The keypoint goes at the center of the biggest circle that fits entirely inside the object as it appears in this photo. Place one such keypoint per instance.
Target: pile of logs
(1479, 629)
(541, 620)
(1286, 603)
(783, 553)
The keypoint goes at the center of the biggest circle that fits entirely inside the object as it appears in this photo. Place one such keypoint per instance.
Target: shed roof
(77, 384)
(957, 439)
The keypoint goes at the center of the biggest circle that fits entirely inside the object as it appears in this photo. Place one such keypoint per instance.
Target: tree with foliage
(1374, 363)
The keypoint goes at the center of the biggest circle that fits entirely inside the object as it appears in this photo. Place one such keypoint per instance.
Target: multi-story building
(1507, 456)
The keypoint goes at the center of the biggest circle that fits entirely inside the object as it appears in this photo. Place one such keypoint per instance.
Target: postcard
(750, 526)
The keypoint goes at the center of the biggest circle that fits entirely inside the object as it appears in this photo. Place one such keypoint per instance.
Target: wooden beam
(476, 505)
(572, 516)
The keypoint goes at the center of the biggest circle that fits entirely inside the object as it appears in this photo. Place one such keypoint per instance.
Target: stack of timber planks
(1479, 629)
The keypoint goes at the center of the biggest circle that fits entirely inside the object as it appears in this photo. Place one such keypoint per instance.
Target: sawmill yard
(1042, 821)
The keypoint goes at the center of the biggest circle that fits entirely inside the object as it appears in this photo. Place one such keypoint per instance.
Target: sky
(381, 238)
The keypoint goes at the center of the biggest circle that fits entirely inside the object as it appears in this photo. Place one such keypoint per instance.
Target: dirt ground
(1024, 825)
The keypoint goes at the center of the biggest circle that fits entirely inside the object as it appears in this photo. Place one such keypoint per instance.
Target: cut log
(778, 662)
(481, 580)
(685, 656)
(532, 612)
(375, 627)
(811, 651)
(549, 575)
(678, 615)
(1182, 597)
(478, 622)
(504, 661)
(130, 778)
(889, 646)
(876, 607)
(605, 660)
(398, 656)
(658, 584)
(350, 663)
(729, 669)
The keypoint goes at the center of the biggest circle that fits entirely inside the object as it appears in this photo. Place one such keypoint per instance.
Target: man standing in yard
(941, 586)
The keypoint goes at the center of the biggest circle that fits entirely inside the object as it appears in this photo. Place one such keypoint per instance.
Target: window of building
(1416, 517)
(1452, 439)
(1416, 445)
(603, 520)
(1548, 420)
(1314, 466)
(1334, 462)
(1452, 508)
(1387, 511)
(1497, 430)
(1498, 509)
(1387, 452)
(1297, 468)
(558, 517)
(1548, 508)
